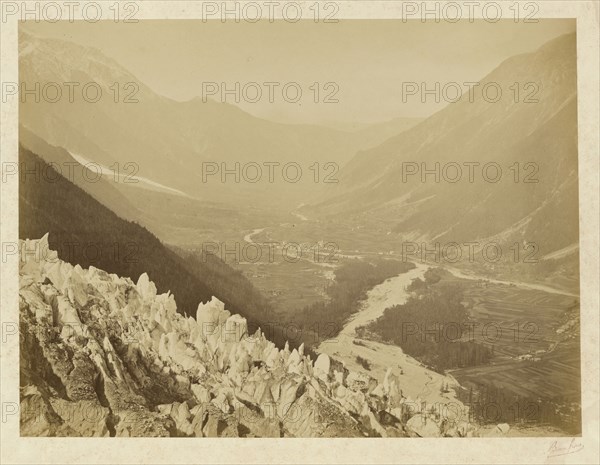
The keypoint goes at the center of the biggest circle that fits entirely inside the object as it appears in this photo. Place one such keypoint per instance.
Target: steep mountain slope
(169, 140)
(104, 356)
(174, 218)
(536, 130)
(85, 232)
(98, 187)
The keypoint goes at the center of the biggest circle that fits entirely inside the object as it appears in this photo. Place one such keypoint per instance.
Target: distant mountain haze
(530, 133)
(368, 59)
(534, 144)
(169, 141)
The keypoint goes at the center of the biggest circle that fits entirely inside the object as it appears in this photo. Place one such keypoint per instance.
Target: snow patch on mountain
(127, 177)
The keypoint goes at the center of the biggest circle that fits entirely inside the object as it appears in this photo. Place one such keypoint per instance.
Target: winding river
(418, 383)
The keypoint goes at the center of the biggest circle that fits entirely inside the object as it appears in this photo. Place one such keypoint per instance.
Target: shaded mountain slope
(536, 129)
(85, 232)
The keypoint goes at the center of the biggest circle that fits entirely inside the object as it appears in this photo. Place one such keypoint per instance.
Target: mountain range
(168, 141)
(531, 136)
(529, 133)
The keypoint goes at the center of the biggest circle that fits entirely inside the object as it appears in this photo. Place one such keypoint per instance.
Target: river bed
(418, 383)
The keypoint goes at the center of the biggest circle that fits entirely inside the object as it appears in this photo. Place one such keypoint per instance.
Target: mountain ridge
(524, 137)
(85, 231)
(170, 140)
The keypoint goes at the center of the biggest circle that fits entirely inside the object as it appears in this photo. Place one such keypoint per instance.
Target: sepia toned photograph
(281, 221)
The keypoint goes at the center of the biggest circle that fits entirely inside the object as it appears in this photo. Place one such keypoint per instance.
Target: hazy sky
(367, 59)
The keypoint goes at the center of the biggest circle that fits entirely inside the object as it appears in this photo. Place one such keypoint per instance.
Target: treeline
(492, 404)
(324, 320)
(85, 232)
(430, 326)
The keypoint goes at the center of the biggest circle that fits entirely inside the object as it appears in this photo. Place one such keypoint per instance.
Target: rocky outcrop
(104, 356)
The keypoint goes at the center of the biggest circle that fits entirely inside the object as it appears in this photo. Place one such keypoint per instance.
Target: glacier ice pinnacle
(104, 356)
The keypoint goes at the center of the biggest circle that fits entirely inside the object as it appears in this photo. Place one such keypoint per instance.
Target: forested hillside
(85, 232)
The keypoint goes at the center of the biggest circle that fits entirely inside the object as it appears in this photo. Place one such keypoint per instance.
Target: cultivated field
(531, 358)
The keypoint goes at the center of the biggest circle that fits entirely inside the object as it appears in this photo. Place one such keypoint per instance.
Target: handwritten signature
(557, 449)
